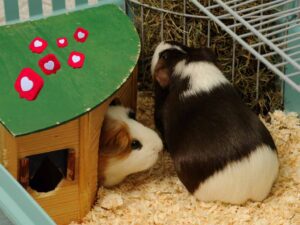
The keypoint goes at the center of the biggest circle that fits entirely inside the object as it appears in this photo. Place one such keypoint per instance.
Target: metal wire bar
(293, 74)
(168, 11)
(258, 65)
(274, 17)
(285, 63)
(162, 21)
(246, 45)
(285, 50)
(278, 31)
(277, 39)
(289, 41)
(273, 27)
(259, 35)
(260, 6)
(184, 22)
(274, 5)
(229, 2)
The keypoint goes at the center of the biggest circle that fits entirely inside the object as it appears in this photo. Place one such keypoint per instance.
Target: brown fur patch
(115, 142)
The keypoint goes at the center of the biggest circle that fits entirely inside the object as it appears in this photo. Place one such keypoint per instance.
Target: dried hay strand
(157, 197)
(247, 79)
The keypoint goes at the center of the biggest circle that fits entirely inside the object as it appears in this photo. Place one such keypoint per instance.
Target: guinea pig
(126, 146)
(220, 149)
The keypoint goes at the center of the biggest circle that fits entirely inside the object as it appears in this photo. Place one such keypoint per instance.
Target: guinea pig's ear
(162, 72)
(115, 138)
(205, 54)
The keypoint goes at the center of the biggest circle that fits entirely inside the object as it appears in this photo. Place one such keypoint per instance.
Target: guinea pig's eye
(131, 115)
(136, 145)
(164, 55)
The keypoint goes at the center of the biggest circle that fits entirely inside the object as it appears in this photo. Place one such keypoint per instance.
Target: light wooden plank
(24, 172)
(92, 2)
(47, 7)
(64, 136)
(8, 148)
(62, 204)
(23, 9)
(70, 4)
(90, 127)
(2, 13)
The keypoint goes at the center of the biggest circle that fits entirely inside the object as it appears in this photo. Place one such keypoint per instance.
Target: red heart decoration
(76, 59)
(62, 42)
(38, 45)
(81, 34)
(49, 64)
(28, 84)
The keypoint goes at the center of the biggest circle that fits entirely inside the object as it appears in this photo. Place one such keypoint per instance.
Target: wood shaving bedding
(158, 197)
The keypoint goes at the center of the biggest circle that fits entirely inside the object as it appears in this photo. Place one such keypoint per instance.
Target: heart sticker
(76, 59)
(38, 45)
(28, 84)
(81, 34)
(62, 42)
(49, 64)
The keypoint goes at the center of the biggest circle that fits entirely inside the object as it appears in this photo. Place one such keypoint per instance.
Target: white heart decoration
(61, 41)
(26, 84)
(37, 43)
(76, 58)
(49, 65)
(80, 35)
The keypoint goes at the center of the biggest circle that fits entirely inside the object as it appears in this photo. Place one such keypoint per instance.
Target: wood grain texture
(62, 204)
(71, 165)
(90, 127)
(111, 51)
(64, 136)
(8, 150)
(24, 172)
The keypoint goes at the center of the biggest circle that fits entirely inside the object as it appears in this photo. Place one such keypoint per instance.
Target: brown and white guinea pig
(221, 150)
(126, 146)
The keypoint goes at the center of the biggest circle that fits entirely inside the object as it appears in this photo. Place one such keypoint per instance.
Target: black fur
(205, 132)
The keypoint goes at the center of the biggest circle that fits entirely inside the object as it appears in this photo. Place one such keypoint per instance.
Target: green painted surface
(58, 5)
(80, 2)
(35, 7)
(111, 50)
(11, 10)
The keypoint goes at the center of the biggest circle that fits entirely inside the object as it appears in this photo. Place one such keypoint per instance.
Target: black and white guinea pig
(126, 146)
(221, 150)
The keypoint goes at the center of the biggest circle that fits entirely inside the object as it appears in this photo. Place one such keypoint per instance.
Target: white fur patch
(160, 48)
(204, 76)
(250, 178)
(138, 160)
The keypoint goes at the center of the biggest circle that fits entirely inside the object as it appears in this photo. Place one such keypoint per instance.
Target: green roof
(111, 52)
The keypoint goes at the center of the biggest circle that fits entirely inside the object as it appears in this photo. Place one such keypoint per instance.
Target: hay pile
(195, 33)
(158, 197)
